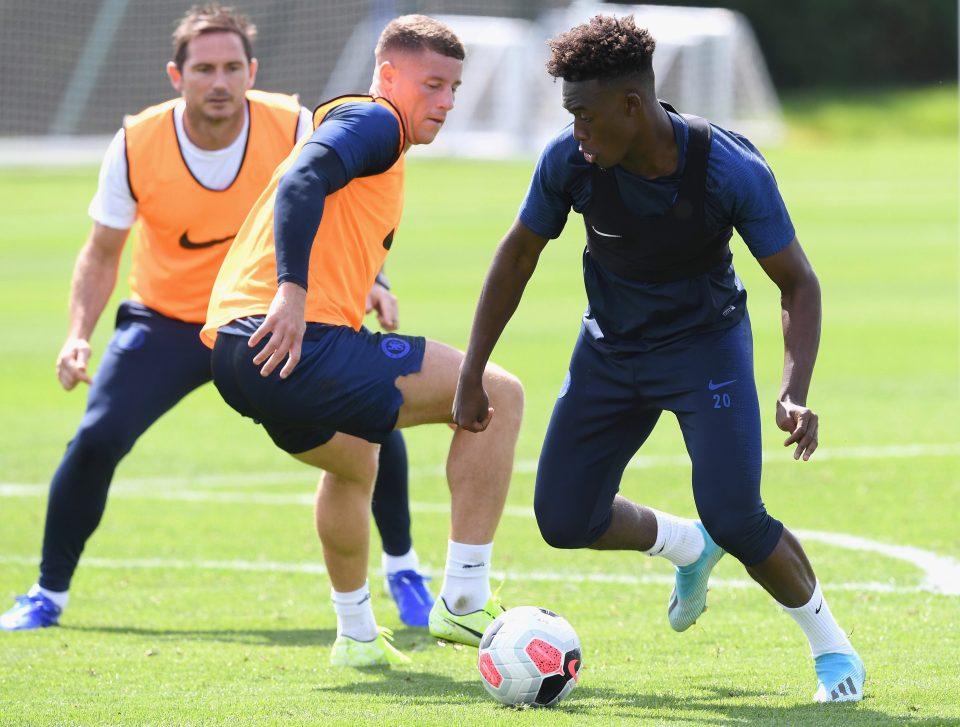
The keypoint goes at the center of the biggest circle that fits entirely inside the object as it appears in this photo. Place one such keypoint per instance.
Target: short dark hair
(603, 49)
(211, 18)
(414, 33)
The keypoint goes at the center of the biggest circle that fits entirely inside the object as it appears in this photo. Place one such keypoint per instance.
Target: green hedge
(852, 42)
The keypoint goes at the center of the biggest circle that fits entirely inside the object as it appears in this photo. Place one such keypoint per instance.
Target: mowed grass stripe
(513, 576)
(892, 451)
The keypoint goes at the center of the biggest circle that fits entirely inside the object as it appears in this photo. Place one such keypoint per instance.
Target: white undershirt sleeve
(305, 123)
(113, 205)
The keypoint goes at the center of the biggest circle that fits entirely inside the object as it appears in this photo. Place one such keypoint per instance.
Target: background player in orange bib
(189, 169)
(290, 351)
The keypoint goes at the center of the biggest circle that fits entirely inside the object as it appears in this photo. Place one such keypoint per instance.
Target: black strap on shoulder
(692, 187)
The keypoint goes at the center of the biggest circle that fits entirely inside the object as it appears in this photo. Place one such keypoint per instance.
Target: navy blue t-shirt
(740, 192)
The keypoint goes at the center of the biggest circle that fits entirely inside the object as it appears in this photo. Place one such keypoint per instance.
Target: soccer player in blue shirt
(666, 329)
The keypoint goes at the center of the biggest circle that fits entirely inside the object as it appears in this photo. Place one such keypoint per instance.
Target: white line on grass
(941, 573)
(893, 451)
(307, 476)
(267, 566)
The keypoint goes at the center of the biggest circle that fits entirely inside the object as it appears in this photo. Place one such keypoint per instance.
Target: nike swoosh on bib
(188, 244)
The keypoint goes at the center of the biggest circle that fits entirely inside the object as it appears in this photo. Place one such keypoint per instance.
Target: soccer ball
(529, 656)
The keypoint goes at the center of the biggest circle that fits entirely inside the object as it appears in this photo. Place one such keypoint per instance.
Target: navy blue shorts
(609, 405)
(344, 382)
(151, 363)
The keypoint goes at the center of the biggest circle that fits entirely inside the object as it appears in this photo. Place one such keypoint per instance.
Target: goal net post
(707, 62)
(74, 69)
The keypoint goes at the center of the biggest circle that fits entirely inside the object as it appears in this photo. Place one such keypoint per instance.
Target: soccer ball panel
(488, 670)
(552, 689)
(546, 657)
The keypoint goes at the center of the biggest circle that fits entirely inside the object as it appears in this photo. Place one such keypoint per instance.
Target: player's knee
(97, 442)
(564, 535)
(359, 471)
(726, 529)
(504, 389)
(347, 461)
(363, 473)
(561, 528)
(749, 537)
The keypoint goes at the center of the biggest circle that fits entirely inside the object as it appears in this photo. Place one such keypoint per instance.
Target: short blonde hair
(414, 33)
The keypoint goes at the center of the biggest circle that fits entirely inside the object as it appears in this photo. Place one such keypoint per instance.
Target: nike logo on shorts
(713, 387)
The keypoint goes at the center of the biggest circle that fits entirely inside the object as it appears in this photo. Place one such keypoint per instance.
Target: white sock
(679, 540)
(819, 626)
(397, 563)
(466, 578)
(355, 614)
(58, 597)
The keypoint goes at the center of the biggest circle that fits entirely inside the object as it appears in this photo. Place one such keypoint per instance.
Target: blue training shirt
(740, 192)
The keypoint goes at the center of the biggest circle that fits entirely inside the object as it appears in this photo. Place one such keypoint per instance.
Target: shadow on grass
(711, 706)
(719, 706)
(316, 638)
(708, 706)
(407, 639)
(422, 688)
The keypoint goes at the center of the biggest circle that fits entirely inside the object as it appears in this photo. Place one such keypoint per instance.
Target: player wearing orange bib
(189, 170)
(290, 297)
(186, 227)
(362, 217)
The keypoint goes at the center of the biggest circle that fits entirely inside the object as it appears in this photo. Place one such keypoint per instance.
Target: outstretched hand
(285, 324)
(803, 425)
(72, 363)
(471, 407)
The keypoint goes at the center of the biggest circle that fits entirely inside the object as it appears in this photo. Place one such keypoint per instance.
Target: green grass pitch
(200, 600)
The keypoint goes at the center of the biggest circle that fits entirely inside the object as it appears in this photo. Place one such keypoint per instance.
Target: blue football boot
(411, 595)
(840, 678)
(689, 597)
(31, 612)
